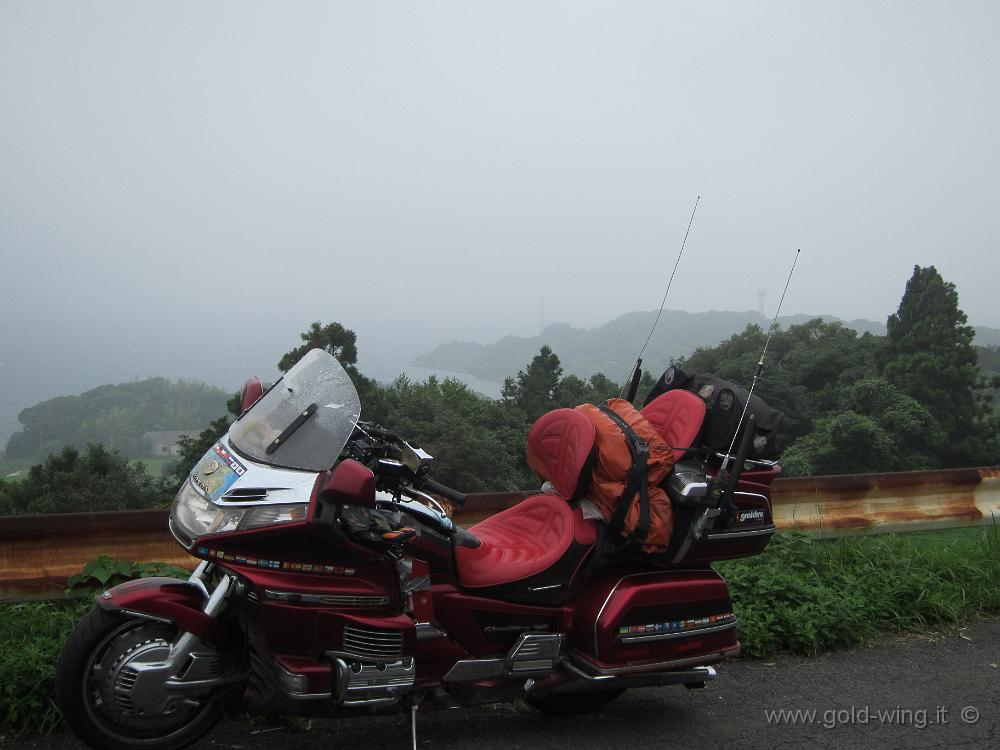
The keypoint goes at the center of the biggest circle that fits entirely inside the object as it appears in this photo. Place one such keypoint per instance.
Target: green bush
(31, 636)
(105, 572)
(97, 479)
(808, 596)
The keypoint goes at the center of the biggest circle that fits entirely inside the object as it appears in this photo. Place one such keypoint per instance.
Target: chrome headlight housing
(196, 516)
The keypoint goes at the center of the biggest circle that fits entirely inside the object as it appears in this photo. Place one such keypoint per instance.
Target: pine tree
(534, 389)
(930, 357)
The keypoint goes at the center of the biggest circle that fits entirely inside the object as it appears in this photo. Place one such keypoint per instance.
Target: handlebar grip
(446, 492)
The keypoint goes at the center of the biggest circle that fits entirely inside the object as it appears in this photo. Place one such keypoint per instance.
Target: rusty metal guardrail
(38, 553)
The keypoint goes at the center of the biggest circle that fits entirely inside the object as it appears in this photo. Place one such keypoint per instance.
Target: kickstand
(413, 723)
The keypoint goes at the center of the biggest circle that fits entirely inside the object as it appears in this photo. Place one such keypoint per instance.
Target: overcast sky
(185, 186)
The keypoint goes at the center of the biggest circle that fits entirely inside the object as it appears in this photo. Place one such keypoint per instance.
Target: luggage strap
(638, 484)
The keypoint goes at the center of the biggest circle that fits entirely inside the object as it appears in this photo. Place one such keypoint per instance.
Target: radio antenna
(633, 385)
(760, 366)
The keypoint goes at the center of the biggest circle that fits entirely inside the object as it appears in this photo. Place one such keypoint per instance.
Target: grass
(802, 596)
(31, 636)
(807, 597)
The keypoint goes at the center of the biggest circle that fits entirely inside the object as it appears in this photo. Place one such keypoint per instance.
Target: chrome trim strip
(753, 494)
(197, 577)
(570, 666)
(626, 639)
(215, 601)
(600, 612)
(346, 656)
(714, 657)
(236, 502)
(174, 684)
(372, 702)
(180, 538)
(751, 461)
(337, 600)
(145, 616)
(672, 676)
(739, 534)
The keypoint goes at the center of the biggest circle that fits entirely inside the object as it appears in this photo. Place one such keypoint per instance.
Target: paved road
(922, 684)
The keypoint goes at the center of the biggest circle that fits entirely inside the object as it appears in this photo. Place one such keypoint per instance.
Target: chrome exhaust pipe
(575, 680)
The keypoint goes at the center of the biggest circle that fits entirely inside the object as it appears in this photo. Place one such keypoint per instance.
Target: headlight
(195, 516)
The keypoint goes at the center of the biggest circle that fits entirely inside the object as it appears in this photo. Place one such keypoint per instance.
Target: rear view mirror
(250, 393)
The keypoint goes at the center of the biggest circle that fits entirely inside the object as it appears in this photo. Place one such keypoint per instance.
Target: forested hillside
(611, 347)
(117, 416)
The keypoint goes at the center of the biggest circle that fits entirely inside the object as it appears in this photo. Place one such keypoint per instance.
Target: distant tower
(761, 294)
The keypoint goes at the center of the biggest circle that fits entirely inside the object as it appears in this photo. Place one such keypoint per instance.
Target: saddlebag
(632, 620)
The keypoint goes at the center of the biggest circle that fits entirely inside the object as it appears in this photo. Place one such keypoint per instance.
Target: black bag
(724, 402)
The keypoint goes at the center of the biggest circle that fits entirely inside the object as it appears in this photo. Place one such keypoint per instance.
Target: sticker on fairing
(217, 471)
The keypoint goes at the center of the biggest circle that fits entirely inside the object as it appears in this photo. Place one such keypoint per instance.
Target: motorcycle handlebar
(439, 489)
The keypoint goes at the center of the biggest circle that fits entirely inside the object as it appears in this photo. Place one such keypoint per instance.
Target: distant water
(413, 372)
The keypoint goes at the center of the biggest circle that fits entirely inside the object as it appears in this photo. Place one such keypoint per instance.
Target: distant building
(164, 442)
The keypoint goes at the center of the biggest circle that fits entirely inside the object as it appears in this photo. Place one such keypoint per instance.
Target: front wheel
(102, 695)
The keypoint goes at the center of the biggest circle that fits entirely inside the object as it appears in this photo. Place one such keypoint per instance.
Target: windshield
(305, 420)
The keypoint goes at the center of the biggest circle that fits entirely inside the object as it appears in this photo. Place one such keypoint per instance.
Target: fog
(184, 187)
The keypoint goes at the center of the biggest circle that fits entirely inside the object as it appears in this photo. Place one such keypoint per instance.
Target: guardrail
(38, 553)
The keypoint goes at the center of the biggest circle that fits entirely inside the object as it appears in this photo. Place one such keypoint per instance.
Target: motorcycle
(333, 581)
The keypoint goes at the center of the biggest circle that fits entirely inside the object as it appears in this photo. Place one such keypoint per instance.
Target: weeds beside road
(807, 597)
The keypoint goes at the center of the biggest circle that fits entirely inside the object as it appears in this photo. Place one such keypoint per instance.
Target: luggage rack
(751, 461)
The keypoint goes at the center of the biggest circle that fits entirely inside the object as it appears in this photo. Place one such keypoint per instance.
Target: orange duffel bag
(631, 459)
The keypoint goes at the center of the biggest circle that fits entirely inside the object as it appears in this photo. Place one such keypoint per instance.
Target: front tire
(92, 681)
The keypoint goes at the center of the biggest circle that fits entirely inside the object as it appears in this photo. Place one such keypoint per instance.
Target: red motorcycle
(348, 590)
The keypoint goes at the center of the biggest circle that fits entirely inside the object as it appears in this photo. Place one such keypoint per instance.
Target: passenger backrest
(678, 416)
(560, 445)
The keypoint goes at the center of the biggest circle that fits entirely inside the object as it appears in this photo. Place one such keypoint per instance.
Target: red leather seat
(535, 534)
(677, 415)
(522, 541)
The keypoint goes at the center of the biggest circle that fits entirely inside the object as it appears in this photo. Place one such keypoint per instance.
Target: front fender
(179, 602)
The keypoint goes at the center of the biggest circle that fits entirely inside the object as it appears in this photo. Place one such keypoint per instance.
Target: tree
(805, 369)
(872, 427)
(72, 482)
(533, 392)
(930, 357)
(477, 444)
(333, 338)
(341, 342)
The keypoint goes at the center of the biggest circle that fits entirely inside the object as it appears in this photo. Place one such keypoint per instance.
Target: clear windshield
(305, 420)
